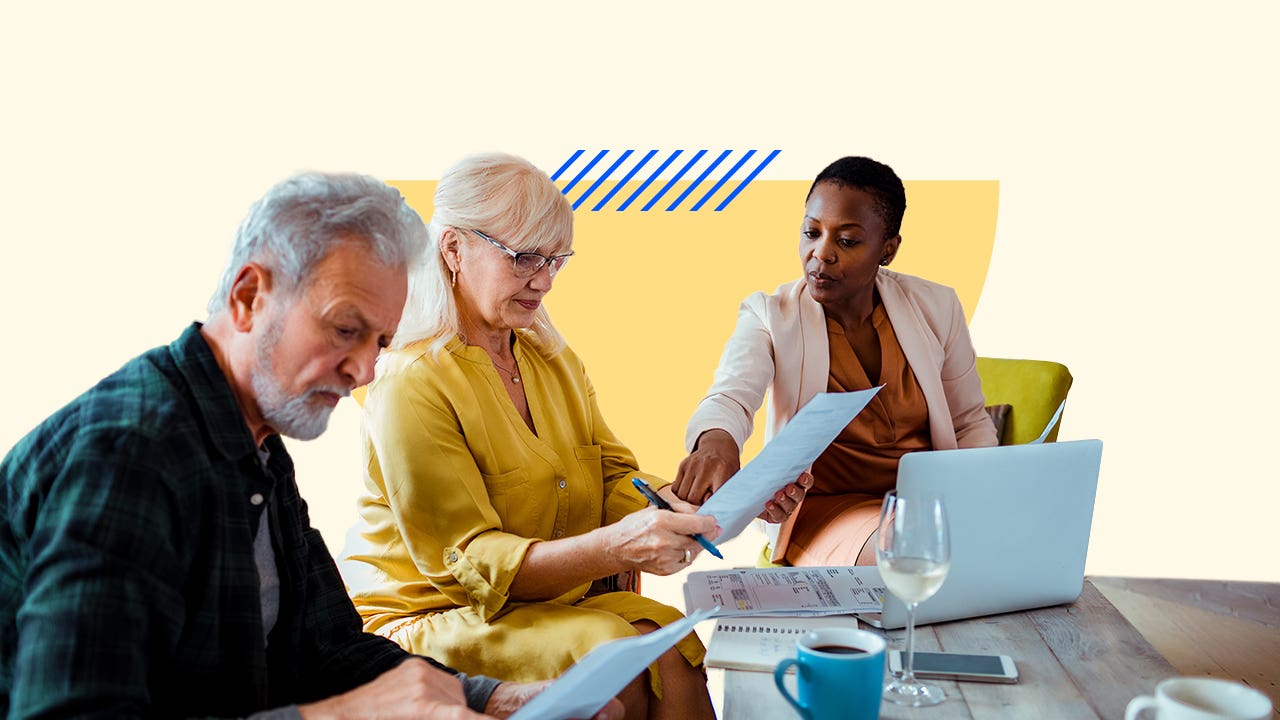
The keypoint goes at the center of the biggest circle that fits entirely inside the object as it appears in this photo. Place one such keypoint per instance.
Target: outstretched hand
(712, 462)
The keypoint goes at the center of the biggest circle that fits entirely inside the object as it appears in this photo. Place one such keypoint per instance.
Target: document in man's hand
(602, 673)
(783, 591)
(781, 461)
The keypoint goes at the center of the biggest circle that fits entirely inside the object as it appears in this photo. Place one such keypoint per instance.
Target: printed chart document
(602, 673)
(760, 643)
(783, 591)
(743, 496)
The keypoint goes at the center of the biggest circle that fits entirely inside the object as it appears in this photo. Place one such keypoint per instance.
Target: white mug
(1184, 698)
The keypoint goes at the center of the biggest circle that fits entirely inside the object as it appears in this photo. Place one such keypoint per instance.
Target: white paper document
(1052, 421)
(602, 673)
(805, 436)
(786, 591)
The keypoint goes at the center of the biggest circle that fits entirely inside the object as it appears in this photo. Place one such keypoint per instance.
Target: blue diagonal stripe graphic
(583, 172)
(602, 178)
(626, 179)
(745, 181)
(698, 182)
(698, 205)
(630, 199)
(672, 181)
(566, 165)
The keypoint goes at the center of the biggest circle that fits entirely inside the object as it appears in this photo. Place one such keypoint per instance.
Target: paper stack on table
(786, 591)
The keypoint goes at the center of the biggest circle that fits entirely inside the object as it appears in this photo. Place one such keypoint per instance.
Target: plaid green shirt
(127, 578)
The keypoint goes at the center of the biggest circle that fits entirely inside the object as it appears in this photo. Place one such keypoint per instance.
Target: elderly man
(155, 557)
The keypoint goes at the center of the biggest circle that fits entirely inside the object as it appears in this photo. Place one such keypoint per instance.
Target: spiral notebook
(760, 643)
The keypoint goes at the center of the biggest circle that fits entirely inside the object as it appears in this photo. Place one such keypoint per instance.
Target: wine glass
(913, 552)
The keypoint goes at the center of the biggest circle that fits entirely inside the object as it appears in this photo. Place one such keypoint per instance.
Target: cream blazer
(780, 346)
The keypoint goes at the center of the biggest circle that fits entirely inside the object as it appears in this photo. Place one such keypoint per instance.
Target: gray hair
(506, 197)
(299, 221)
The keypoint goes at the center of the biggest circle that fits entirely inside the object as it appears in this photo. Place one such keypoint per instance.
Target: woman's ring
(688, 556)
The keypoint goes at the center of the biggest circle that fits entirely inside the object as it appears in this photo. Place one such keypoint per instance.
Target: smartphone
(958, 666)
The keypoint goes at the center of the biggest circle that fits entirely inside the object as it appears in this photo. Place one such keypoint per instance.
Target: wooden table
(1207, 627)
(1083, 660)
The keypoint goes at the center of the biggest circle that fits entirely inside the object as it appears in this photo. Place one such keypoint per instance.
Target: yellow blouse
(457, 488)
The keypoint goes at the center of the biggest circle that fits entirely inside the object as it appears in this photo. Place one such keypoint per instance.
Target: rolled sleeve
(484, 570)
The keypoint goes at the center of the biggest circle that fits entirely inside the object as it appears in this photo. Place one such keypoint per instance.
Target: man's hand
(413, 689)
(509, 697)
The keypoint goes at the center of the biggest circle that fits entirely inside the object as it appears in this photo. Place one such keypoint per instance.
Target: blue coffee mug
(839, 674)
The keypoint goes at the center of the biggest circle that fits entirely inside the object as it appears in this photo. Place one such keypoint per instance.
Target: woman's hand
(658, 541)
(651, 540)
(712, 462)
(785, 501)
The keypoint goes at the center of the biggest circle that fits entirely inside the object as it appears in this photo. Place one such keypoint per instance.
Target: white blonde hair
(507, 198)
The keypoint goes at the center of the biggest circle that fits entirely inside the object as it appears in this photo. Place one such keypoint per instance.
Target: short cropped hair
(507, 198)
(300, 220)
(874, 178)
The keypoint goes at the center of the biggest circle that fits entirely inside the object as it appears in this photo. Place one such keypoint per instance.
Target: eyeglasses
(528, 263)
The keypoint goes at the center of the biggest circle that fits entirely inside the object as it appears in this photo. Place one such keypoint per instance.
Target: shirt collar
(211, 391)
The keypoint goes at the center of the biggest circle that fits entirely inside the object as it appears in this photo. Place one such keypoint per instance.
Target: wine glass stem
(908, 671)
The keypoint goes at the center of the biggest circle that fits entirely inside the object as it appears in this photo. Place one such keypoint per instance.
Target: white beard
(297, 416)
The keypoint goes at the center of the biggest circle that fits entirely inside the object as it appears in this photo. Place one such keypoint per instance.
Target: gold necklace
(515, 375)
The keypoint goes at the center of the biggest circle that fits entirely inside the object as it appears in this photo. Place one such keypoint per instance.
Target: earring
(884, 261)
(455, 277)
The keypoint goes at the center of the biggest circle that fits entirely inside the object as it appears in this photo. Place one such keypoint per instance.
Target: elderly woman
(848, 324)
(496, 496)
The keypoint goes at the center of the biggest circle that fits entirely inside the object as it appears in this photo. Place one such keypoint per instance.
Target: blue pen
(661, 504)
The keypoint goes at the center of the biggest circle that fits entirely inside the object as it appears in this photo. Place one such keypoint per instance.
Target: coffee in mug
(839, 674)
(1186, 698)
(840, 649)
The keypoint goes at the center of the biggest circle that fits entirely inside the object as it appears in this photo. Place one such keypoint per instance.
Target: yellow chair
(1032, 388)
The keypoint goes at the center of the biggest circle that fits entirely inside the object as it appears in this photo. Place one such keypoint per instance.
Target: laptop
(1019, 517)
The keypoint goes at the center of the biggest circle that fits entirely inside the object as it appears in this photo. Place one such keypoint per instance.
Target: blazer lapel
(924, 354)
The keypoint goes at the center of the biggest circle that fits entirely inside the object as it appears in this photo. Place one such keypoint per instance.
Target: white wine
(912, 579)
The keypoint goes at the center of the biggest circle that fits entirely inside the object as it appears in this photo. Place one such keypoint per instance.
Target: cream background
(1135, 148)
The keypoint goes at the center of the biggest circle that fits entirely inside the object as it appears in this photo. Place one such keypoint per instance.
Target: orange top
(864, 456)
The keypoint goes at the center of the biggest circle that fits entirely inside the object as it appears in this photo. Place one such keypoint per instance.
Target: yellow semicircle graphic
(650, 297)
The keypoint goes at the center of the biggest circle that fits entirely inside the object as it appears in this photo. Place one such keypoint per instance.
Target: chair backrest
(1033, 389)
